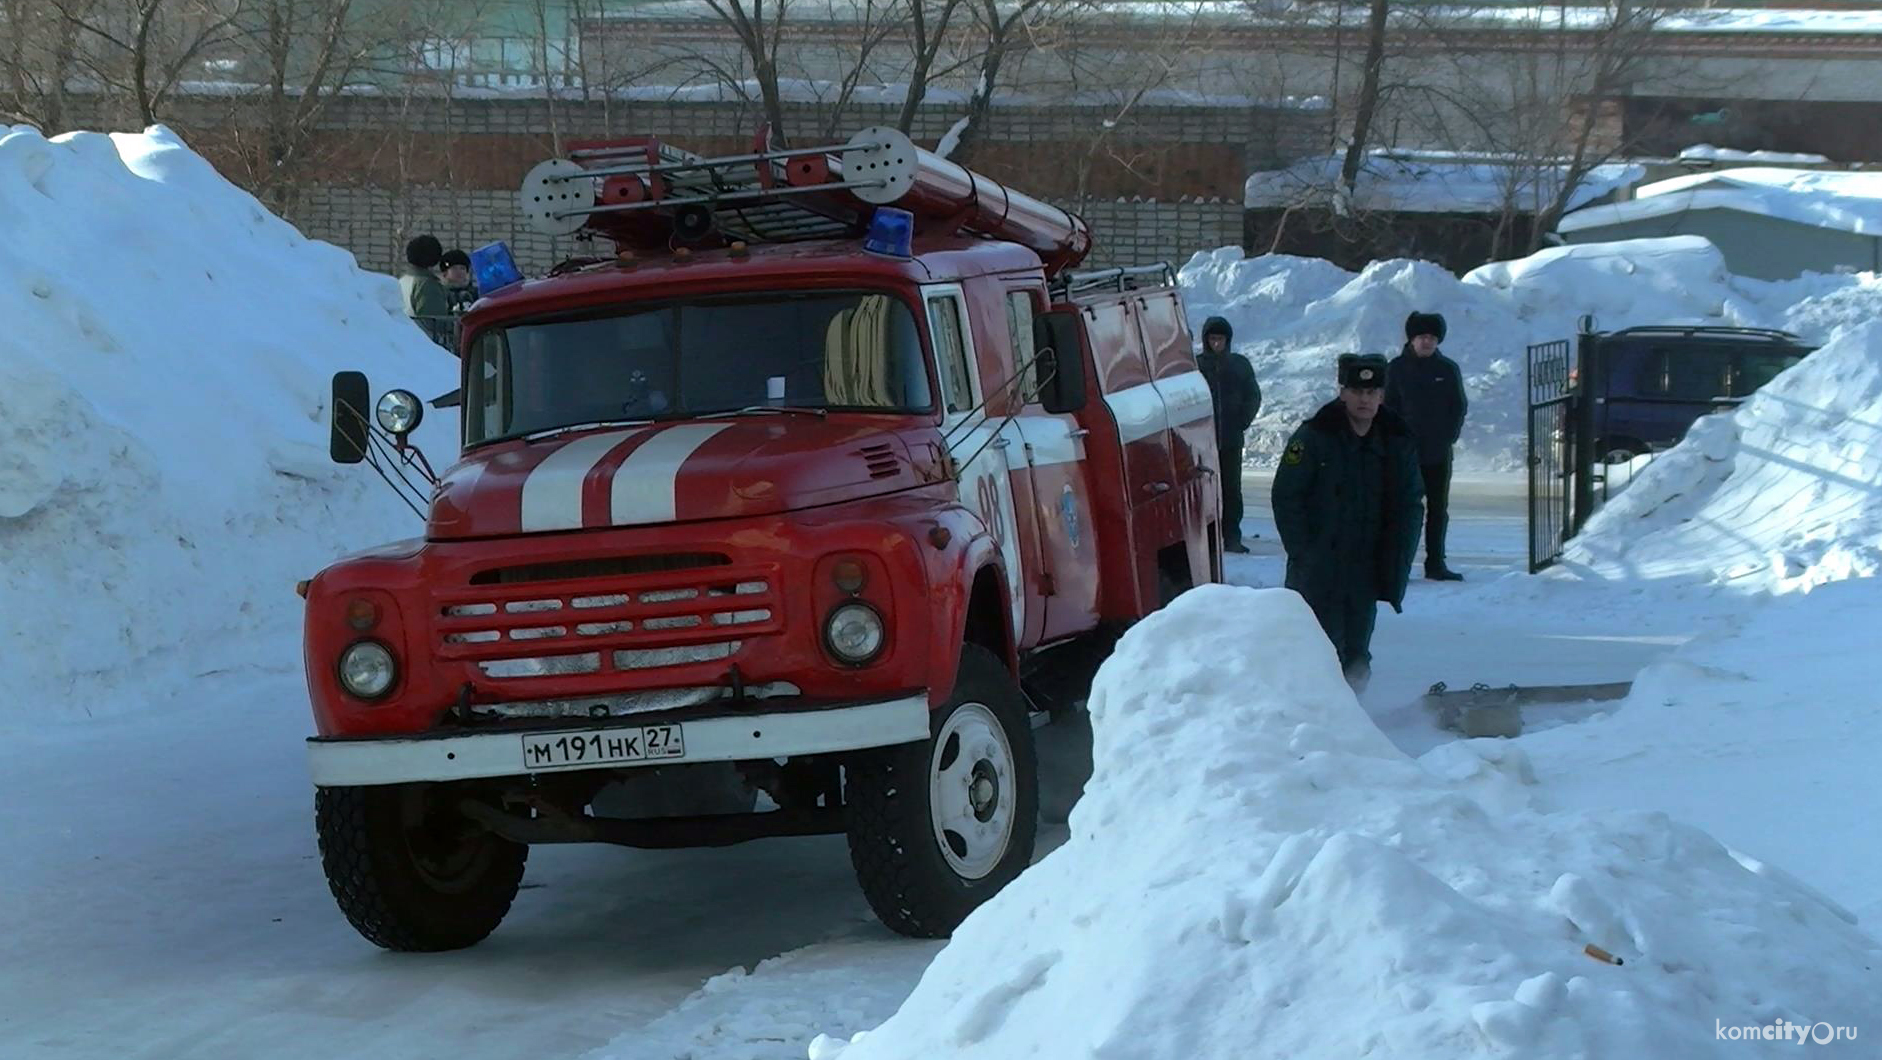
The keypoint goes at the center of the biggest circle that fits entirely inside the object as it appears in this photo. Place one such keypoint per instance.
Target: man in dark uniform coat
(1237, 399)
(1348, 499)
(1426, 389)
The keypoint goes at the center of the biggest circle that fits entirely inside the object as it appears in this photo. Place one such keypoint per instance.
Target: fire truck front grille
(606, 567)
(656, 621)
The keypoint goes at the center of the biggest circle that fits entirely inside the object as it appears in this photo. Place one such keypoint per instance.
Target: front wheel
(409, 870)
(940, 826)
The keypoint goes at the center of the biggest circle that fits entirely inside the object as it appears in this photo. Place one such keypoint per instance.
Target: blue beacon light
(891, 232)
(492, 268)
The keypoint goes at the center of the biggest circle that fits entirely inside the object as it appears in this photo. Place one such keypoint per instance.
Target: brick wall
(1160, 186)
(1138, 232)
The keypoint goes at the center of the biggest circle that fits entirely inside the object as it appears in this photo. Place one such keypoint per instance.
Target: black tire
(1619, 450)
(895, 844)
(410, 872)
(1169, 587)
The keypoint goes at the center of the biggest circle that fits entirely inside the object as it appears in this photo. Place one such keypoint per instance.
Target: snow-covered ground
(1262, 867)
(1256, 870)
(1293, 316)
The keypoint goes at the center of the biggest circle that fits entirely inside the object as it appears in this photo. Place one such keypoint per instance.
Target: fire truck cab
(789, 517)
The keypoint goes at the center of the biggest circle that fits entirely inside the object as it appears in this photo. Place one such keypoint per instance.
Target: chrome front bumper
(454, 755)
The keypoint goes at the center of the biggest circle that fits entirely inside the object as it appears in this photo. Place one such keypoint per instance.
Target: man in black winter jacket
(1426, 390)
(1347, 501)
(1237, 399)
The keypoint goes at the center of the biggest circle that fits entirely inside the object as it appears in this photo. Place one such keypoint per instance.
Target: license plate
(575, 750)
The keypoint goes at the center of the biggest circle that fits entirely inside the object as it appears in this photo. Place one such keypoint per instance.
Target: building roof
(1846, 201)
(1432, 182)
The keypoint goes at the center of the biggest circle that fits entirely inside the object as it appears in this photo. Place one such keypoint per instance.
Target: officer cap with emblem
(1362, 371)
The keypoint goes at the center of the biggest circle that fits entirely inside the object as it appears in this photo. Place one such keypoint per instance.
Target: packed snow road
(163, 899)
(1443, 634)
(164, 895)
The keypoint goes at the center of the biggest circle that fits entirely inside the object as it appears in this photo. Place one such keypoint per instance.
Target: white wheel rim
(971, 791)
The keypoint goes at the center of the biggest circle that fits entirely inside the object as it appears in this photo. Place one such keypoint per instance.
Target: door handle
(1000, 442)
(1079, 433)
(1157, 488)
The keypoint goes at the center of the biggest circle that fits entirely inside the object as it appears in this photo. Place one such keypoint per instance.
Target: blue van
(1656, 381)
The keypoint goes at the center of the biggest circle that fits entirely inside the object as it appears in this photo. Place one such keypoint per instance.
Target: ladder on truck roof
(646, 195)
(1071, 286)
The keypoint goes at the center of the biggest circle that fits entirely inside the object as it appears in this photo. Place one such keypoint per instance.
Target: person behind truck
(1426, 389)
(425, 300)
(1237, 399)
(1348, 499)
(458, 290)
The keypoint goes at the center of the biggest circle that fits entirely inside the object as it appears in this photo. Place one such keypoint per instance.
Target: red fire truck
(792, 515)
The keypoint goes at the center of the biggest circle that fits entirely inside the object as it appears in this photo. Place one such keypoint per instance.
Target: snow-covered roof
(790, 89)
(1432, 182)
(1298, 14)
(1709, 153)
(1850, 202)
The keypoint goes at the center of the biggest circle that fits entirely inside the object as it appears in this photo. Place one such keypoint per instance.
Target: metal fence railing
(1551, 395)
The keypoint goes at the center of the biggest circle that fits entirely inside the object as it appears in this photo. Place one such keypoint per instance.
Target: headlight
(367, 669)
(854, 633)
(399, 412)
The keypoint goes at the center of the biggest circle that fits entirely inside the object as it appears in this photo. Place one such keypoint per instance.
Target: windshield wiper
(556, 432)
(801, 410)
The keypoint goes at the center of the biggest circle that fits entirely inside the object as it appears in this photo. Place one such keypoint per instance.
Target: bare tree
(928, 23)
(1114, 66)
(1002, 31)
(38, 56)
(1367, 105)
(141, 49)
(1532, 106)
(760, 35)
(305, 53)
(875, 22)
(1622, 53)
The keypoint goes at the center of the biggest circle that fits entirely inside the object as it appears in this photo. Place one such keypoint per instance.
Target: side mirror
(347, 443)
(1055, 335)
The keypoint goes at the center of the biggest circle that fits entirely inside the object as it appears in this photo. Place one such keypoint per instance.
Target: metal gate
(1551, 398)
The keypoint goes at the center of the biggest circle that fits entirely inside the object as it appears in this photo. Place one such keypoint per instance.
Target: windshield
(853, 350)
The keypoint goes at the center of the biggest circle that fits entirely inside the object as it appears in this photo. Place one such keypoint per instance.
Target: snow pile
(1255, 871)
(1433, 182)
(1767, 737)
(1848, 201)
(1293, 316)
(164, 375)
(1784, 493)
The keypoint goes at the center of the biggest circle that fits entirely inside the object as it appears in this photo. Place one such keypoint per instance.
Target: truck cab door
(984, 448)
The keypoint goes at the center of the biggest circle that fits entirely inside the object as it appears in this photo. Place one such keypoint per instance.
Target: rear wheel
(409, 870)
(1620, 450)
(938, 827)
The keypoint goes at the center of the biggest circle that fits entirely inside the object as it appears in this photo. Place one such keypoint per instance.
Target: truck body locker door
(1131, 393)
(1186, 401)
(1143, 428)
(1062, 518)
(1185, 393)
